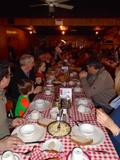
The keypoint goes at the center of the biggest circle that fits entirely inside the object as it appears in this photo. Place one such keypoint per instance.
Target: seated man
(98, 84)
(24, 71)
(7, 142)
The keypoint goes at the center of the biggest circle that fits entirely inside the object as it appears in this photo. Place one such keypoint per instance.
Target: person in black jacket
(24, 71)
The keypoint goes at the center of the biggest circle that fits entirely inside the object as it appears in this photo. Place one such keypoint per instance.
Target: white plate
(39, 134)
(84, 158)
(40, 104)
(98, 134)
(84, 109)
(58, 146)
(17, 157)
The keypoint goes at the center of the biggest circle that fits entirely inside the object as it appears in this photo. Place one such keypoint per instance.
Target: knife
(100, 151)
(34, 142)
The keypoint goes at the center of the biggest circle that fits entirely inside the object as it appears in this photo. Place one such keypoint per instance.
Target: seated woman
(25, 87)
(112, 121)
(40, 68)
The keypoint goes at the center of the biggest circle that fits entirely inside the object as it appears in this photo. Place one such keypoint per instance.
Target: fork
(58, 127)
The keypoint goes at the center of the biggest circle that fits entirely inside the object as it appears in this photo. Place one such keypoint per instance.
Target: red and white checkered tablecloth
(37, 154)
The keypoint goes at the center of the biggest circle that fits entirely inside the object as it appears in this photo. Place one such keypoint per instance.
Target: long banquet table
(37, 154)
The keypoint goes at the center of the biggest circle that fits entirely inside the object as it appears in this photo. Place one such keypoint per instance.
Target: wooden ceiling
(86, 13)
(82, 9)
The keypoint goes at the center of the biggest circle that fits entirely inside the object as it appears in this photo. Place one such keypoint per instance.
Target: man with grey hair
(24, 71)
(98, 84)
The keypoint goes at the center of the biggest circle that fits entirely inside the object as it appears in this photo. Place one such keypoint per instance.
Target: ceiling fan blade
(38, 5)
(65, 6)
(60, 1)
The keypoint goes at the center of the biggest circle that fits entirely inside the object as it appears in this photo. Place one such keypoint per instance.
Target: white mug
(8, 155)
(77, 154)
(35, 115)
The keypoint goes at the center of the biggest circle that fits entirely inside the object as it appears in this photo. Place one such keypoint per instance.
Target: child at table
(25, 87)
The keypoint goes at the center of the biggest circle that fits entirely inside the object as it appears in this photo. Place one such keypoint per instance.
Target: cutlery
(58, 127)
(25, 153)
(100, 151)
(76, 122)
(34, 142)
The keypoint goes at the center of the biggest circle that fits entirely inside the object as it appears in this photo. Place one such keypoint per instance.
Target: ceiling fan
(52, 4)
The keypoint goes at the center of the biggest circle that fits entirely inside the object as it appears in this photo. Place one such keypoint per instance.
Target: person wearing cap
(7, 142)
(98, 84)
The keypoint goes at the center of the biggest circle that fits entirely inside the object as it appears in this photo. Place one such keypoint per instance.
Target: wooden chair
(9, 107)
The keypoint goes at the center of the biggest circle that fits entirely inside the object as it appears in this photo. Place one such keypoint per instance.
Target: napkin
(43, 155)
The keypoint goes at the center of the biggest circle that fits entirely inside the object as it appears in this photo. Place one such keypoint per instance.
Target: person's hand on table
(9, 143)
(83, 74)
(18, 121)
(106, 121)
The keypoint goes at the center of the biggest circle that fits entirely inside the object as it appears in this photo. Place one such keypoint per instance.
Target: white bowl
(77, 89)
(40, 103)
(35, 115)
(86, 129)
(82, 101)
(52, 77)
(27, 130)
(71, 74)
(50, 87)
(81, 108)
(71, 83)
(48, 92)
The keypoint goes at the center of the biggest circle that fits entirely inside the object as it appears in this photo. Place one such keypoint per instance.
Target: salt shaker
(65, 115)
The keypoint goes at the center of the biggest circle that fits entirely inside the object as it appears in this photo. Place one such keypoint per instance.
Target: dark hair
(95, 63)
(4, 72)
(38, 64)
(25, 86)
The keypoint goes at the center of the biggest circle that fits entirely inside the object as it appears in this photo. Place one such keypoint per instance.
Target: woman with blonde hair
(112, 121)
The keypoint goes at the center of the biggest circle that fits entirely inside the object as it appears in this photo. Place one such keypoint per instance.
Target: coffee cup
(35, 115)
(8, 155)
(77, 154)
